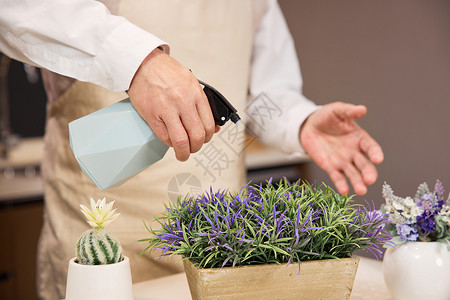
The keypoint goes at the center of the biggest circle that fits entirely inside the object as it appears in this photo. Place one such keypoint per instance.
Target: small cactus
(96, 246)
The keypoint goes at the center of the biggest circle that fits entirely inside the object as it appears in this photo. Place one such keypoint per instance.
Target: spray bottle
(114, 144)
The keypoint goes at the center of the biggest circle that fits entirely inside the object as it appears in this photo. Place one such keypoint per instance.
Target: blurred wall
(393, 57)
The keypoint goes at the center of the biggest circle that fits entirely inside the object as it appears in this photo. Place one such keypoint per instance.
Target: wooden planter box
(321, 279)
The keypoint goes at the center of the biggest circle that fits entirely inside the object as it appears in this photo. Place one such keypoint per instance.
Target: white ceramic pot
(418, 270)
(88, 282)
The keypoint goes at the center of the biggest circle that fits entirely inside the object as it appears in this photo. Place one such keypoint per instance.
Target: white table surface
(369, 285)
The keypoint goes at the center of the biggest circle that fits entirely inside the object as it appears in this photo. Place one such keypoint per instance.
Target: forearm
(77, 38)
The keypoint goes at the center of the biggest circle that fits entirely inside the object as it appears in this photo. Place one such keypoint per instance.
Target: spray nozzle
(222, 109)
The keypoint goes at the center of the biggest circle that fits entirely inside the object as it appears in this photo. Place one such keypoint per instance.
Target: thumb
(349, 111)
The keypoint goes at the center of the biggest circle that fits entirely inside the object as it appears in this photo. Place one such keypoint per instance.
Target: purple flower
(426, 221)
(407, 232)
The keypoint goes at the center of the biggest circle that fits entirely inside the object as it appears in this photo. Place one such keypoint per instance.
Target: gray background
(393, 57)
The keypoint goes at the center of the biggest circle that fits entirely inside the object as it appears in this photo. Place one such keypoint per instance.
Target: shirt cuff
(298, 114)
(121, 54)
(277, 123)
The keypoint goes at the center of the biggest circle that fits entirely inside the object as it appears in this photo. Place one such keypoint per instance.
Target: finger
(194, 128)
(349, 111)
(178, 138)
(160, 130)
(206, 116)
(356, 179)
(366, 168)
(339, 181)
(372, 149)
(357, 112)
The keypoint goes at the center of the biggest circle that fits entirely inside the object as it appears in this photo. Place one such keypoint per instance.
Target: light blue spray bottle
(113, 144)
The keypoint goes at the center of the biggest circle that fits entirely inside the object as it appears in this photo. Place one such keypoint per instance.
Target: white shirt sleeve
(277, 107)
(76, 38)
(82, 40)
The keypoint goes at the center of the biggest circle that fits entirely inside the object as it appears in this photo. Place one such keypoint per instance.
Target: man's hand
(340, 147)
(170, 99)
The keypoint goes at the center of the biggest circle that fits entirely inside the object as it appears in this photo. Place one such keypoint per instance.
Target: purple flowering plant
(276, 223)
(424, 218)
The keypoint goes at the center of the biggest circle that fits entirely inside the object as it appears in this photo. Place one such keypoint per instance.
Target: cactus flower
(101, 213)
(96, 246)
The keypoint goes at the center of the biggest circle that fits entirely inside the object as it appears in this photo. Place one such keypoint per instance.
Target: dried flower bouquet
(424, 218)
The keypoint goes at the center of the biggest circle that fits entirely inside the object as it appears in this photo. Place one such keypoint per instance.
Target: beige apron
(214, 39)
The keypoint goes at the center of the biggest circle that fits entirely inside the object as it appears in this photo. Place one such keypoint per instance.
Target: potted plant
(99, 270)
(284, 240)
(417, 264)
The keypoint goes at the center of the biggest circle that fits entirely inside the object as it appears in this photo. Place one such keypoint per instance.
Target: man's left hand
(340, 147)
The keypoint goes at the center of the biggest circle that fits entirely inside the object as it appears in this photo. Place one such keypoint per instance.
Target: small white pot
(93, 282)
(418, 270)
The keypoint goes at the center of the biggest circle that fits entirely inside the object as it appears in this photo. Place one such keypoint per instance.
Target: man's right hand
(170, 99)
